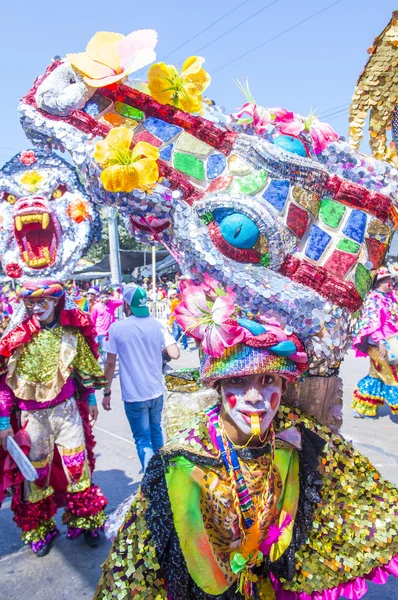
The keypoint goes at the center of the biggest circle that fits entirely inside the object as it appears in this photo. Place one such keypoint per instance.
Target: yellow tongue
(255, 424)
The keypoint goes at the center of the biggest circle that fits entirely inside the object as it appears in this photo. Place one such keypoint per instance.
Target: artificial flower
(78, 211)
(27, 157)
(209, 321)
(258, 116)
(32, 180)
(261, 117)
(13, 270)
(321, 133)
(109, 57)
(126, 169)
(180, 89)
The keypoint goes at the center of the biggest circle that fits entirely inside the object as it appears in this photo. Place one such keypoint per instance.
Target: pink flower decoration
(321, 133)
(291, 126)
(209, 321)
(261, 117)
(27, 157)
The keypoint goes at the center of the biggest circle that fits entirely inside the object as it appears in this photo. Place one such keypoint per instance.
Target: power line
(333, 110)
(235, 26)
(224, 16)
(338, 115)
(278, 35)
(8, 148)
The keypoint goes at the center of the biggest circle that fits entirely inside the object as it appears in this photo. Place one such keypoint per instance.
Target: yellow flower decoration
(125, 170)
(183, 90)
(32, 180)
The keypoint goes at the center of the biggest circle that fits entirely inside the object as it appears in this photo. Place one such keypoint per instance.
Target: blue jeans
(177, 334)
(145, 422)
(101, 339)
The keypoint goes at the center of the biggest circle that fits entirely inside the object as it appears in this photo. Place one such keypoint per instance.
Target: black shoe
(91, 539)
(44, 550)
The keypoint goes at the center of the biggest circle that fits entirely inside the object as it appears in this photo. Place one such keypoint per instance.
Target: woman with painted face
(49, 373)
(252, 499)
(376, 336)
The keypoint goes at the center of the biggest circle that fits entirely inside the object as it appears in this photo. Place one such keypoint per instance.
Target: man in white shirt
(139, 341)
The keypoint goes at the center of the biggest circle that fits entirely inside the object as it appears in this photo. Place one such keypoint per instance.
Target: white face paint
(43, 309)
(243, 397)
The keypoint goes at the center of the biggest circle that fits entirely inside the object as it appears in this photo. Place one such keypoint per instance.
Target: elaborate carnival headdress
(286, 215)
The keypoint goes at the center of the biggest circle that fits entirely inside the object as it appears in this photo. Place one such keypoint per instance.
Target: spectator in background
(176, 329)
(139, 341)
(92, 295)
(103, 315)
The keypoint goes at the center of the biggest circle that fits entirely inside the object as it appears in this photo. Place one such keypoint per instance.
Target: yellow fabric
(380, 369)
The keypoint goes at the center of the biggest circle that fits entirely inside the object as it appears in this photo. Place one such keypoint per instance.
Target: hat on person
(41, 288)
(232, 345)
(92, 291)
(383, 273)
(136, 298)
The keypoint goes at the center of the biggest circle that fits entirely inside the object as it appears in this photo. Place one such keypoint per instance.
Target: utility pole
(114, 250)
(154, 295)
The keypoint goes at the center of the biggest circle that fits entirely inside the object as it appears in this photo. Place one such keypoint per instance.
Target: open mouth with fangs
(36, 231)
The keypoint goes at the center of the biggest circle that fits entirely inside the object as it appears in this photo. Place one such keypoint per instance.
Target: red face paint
(231, 399)
(274, 400)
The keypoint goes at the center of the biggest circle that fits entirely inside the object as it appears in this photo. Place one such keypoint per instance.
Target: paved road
(71, 571)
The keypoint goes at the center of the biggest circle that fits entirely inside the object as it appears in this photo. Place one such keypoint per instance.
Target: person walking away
(377, 329)
(103, 315)
(139, 341)
(176, 330)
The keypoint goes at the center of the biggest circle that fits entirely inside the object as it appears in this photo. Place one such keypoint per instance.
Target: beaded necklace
(243, 502)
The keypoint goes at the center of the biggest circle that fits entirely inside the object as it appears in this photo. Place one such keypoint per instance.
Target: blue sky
(313, 66)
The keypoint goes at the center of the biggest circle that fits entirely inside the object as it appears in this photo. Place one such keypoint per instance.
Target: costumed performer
(48, 375)
(376, 329)
(253, 499)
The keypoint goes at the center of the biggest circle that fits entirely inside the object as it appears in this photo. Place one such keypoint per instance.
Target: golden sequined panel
(376, 94)
(38, 362)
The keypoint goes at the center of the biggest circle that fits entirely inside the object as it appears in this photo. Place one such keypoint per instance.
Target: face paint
(44, 310)
(250, 398)
(231, 399)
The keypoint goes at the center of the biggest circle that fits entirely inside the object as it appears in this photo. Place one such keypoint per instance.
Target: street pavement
(71, 570)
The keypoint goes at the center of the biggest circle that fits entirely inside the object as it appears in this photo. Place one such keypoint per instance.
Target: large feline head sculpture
(47, 219)
(273, 205)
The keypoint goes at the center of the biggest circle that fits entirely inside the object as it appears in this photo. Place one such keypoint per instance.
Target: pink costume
(378, 322)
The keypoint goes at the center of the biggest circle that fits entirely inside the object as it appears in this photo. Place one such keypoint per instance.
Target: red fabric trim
(357, 196)
(201, 128)
(21, 334)
(317, 278)
(77, 318)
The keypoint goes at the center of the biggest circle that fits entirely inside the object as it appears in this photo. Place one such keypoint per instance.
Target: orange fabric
(175, 302)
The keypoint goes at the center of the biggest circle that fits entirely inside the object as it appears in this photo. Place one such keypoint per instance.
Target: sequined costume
(48, 378)
(379, 321)
(300, 516)
(182, 525)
